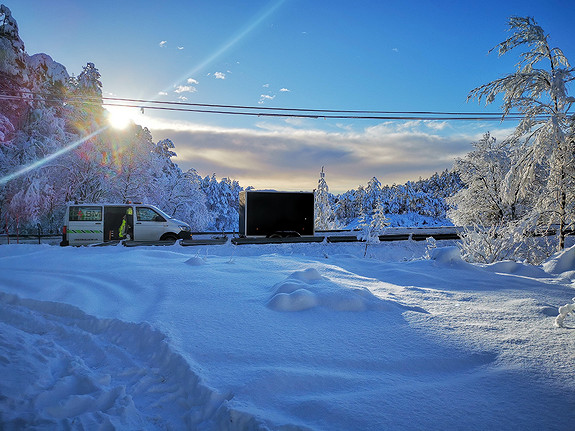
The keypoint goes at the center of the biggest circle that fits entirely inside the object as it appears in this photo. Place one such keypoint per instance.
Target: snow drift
(281, 337)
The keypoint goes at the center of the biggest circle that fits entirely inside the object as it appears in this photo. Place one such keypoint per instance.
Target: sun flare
(120, 117)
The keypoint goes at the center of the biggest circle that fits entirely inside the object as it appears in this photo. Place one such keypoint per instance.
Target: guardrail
(438, 233)
(30, 239)
(218, 238)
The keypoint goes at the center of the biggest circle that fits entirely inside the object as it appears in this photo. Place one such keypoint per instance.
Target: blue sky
(363, 55)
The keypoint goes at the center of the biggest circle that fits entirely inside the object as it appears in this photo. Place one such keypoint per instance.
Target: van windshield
(151, 213)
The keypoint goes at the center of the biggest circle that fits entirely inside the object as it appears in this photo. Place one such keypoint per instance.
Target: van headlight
(184, 228)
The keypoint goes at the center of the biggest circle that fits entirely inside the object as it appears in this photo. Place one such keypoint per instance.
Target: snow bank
(65, 369)
(517, 268)
(561, 263)
(307, 289)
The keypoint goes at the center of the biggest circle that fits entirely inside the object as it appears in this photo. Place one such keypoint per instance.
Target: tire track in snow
(65, 369)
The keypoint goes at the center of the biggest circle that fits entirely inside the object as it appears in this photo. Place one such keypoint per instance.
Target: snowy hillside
(301, 336)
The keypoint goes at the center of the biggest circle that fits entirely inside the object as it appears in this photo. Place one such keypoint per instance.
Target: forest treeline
(46, 112)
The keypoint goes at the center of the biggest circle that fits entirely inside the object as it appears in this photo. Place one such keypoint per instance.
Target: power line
(259, 111)
(265, 108)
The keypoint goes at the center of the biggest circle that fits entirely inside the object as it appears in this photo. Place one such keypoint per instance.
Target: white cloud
(265, 98)
(284, 90)
(163, 43)
(266, 86)
(395, 49)
(185, 89)
(180, 47)
(286, 156)
(220, 75)
(192, 81)
(436, 125)
(162, 93)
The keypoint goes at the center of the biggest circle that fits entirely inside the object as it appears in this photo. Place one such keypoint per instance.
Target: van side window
(85, 213)
(148, 214)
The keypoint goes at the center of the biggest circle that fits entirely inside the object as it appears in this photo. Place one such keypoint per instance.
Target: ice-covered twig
(563, 312)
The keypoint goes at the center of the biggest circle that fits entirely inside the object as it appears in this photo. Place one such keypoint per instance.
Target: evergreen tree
(344, 208)
(372, 196)
(324, 214)
(222, 202)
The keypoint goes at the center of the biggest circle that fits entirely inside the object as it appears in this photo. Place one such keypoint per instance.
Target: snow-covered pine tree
(345, 209)
(372, 226)
(324, 214)
(372, 221)
(372, 195)
(222, 202)
(538, 90)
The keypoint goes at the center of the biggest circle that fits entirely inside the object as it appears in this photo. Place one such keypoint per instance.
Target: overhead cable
(261, 111)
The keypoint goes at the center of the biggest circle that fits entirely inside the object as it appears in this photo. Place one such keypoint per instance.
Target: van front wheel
(169, 237)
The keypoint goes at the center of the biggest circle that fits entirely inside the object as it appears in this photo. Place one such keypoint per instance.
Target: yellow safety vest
(122, 231)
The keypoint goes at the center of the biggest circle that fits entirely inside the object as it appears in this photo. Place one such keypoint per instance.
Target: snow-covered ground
(292, 336)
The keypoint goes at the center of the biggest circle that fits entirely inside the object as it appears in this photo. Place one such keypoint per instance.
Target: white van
(87, 223)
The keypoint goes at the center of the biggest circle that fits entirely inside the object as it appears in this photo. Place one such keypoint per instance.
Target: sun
(120, 117)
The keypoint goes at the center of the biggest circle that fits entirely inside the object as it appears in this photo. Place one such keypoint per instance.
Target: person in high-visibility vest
(125, 227)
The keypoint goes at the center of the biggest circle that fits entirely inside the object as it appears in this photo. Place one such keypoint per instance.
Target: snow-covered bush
(488, 244)
(505, 241)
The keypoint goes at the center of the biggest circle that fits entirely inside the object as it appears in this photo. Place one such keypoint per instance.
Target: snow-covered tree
(538, 91)
(372, 196)
(491, 195)
(344, 207)
(222, 202)
(131, 166)
(176, 192)
(372, 226)
(324, 214)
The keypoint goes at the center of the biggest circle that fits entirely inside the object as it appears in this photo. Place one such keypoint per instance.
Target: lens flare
(51, 157)
(264, 14)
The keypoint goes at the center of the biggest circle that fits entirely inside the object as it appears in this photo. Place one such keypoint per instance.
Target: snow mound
(298, 300)
(195, 261)
(308, 289)
(561, 262)
(64, 369)
(449, 256)
(309, 275)
(517, 268)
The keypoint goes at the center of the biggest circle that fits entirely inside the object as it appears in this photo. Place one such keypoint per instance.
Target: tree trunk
(562, 205)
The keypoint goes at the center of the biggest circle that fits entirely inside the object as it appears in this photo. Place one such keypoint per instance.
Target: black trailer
(276, 214)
